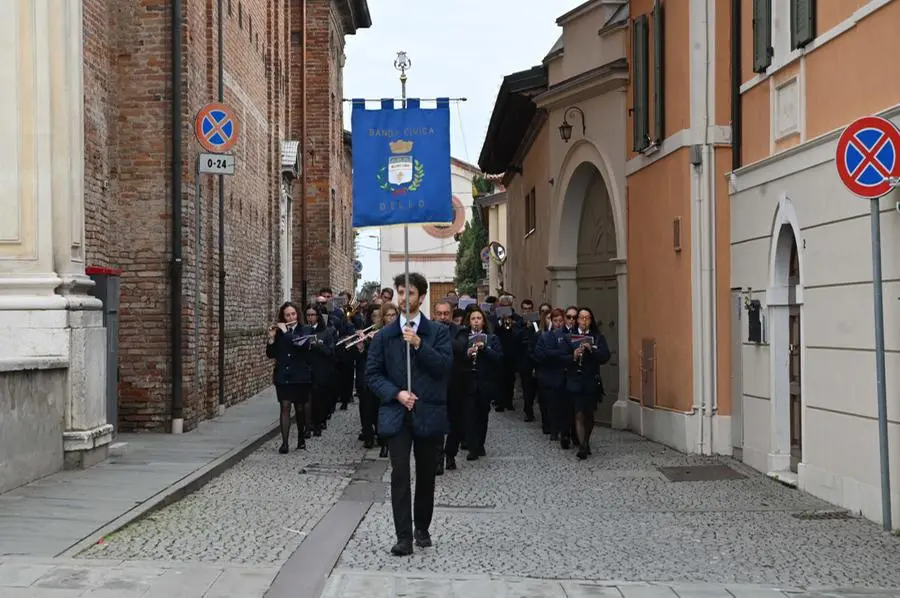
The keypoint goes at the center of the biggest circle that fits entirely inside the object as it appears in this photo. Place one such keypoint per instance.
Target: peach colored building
(800, 248)
(565, 187)
(678, 149)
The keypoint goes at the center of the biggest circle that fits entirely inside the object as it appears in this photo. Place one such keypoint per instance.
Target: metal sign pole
(879, 366)
(403, 64)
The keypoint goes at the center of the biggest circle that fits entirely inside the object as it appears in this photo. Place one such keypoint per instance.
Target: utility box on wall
(107, 289)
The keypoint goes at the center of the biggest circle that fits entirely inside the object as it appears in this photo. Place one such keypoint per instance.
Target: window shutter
(762, 35)
(803, 22)
(640, 84)
(659, 79)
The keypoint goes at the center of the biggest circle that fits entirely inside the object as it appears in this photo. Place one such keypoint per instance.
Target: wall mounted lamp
(565, 129)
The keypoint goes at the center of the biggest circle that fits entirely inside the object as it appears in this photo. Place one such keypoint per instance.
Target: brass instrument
(364, 338)
(356, 335)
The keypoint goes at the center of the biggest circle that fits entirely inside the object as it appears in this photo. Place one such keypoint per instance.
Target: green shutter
(640, 84)
(762, 35)
(659, 82)
(803, 22)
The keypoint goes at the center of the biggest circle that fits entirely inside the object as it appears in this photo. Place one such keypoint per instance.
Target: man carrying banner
(411, 419)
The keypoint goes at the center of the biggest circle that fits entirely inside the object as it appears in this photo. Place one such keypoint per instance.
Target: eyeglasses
(571, 316)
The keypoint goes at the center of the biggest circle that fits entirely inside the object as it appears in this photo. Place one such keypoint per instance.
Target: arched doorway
(596, 274)
(785, 299)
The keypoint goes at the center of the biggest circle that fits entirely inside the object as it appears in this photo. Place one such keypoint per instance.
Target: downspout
(304, 283)
(736, 116)
(176, 264)
(221, 95)
(710, 175)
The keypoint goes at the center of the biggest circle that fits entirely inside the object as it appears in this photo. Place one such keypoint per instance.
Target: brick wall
(127, 187)
(328, 209)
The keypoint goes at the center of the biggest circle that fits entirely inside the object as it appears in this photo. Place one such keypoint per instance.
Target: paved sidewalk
(24, 577)
(62, 514)
(360, 584)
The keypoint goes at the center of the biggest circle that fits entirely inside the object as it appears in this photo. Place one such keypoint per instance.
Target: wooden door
(438, 291)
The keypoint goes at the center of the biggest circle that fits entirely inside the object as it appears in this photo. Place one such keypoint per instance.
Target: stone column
(87, 432)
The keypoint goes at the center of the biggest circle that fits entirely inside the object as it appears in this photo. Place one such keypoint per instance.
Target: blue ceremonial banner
(401, 164)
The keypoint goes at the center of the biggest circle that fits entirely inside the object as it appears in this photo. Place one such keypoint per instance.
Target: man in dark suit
(456, 389)
(411, 418)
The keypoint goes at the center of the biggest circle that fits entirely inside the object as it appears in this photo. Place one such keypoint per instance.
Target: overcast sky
(462, 48)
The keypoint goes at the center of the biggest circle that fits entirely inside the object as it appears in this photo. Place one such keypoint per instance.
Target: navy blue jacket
(588, 380)
(484, 374)
(322, 355)
(431, 364)
(292, 362)
(553, 356)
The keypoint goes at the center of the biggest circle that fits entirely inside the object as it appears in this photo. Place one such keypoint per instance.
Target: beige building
(801, 257)
(557, 132)
(494, 215)
(52, 339)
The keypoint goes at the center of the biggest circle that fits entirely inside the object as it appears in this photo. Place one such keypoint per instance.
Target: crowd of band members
(319, 353)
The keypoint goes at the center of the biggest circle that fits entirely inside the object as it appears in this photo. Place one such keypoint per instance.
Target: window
(762, 35)
(230, 12)
(240, 15)
(659, 83)
(803, 22)
(530, 212)
(640, 86)
(334, 217)
(250, 23)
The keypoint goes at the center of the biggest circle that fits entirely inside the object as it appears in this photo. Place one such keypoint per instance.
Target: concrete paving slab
(237, 582)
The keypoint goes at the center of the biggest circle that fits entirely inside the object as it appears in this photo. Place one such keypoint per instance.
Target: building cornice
(597, 81)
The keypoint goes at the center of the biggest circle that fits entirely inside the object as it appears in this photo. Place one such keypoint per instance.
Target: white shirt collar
(416, 320)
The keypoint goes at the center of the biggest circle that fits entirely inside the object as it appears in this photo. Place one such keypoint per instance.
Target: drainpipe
(304, 138)
(736, 116)
(221, 95)
(176, 264)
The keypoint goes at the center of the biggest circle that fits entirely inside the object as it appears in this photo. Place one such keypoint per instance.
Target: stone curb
(174, 492)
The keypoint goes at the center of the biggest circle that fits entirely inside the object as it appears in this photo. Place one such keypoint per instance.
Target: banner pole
(403, 63)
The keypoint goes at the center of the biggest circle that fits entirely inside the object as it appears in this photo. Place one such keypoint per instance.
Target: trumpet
(356, 335)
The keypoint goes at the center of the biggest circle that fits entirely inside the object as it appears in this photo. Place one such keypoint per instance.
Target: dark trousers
(405, 512)
(507, 385)
(368, 413)
(456, 415)
(564, 411)
(529, 390)
(543, 396)
(478, 408)
(345, 373)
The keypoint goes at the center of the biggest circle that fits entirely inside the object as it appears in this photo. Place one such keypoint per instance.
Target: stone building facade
(128, 180)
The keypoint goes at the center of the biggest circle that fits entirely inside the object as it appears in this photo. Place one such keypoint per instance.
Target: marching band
(556, 354)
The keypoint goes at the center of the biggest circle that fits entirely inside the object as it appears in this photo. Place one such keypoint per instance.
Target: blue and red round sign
(868, 156)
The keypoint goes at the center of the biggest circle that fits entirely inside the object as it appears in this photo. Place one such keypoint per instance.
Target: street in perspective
(513, 299)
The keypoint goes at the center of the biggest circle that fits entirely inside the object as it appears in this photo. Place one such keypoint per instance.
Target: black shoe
(481, 452)
(308, 434)
(451, 463)
(284, 449)
(361, 436)
(564, 443)
(463, 446)
(324, 425)
(368, 443)
(317, 432)
(343, 406)
(499, 409)
(581, 454)
(545, 430)
(384, 452)
(301, 445)
(439, 470)
(402, 548)
(472, 456)
(529, 418)
(423, 538)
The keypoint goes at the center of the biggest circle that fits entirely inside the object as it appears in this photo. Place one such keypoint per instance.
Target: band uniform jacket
(431, 371)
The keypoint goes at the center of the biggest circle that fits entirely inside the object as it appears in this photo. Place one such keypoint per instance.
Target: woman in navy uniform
(486, 360)
(323, 365)
(583, 382)
(553, 356)
(289, 346)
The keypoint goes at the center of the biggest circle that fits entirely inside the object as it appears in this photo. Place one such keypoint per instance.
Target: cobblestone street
(532, 510)
(256, 513)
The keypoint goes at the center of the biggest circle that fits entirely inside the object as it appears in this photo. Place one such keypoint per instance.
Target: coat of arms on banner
(403, 172)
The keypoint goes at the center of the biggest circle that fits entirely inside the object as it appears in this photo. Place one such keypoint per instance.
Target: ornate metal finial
(402, 63)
